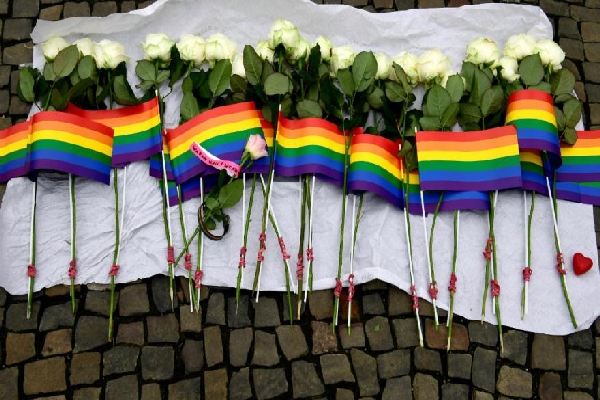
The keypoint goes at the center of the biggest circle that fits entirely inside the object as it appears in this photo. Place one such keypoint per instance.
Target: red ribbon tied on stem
(452, 285)
(433, 290)
(198, 278)
(560, 262)
(350, 288)
(242, 263)
(487, 253)
(309, 255)
(171, 255)
(284, 252)
(415, 298)
(300, 266)
(527, 274)
(72, 269)
(187, 262)
(263, 246)
(31, 271)
(495, 288)
(114, 270)
(337, 292)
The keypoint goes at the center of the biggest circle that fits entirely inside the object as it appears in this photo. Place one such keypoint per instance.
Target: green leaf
(364, 69)
(277, 84)
(455, 87)
(492, 101)
(145, 70)
(543, 86)
(468, 113)
(219, 77)
(231, 194)
(238, 84)
(309, 109)
(286, 105)
(57, 99)
(449, 117)
(563, 98)
(438, 100)
(513, 87)
(210, 224)
(252, 65)
(145, 85)
(211, 203)
(405, 149)
(267, 70)
(531, 70)
(189, 107)
(569, 136)
(66, 60)
(49, 74)
(468, 71)
(562, 82)
(79, 88)
(123, 93)
(344, 77)
(375, 98)
(162, 76)
(187, 86)
(394, 92)
(87, 68)
(176, 66)
(402, 78)
(481, 83)
(74, 77)
(561, 121)
(572, 110)
(430, 123)
(26, 84)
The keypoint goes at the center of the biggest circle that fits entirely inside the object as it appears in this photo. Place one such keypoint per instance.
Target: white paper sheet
(381, 248)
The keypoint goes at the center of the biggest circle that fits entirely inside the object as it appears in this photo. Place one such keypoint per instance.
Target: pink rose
(256, 147)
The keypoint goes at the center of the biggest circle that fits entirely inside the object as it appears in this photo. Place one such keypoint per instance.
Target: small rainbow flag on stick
(310, 146)
(581, 161)
(137, 130)
(14, 151)
(481, 160)
(68, 143)
(532, 171)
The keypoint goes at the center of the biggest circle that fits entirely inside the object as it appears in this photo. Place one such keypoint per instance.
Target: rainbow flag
(375, 167)
(531, 111)
(460, 161)
(223, 131)
(71, 144)
(14, 151)
(310, 146)
(268, 132)
(532, 171)
(156, 165)
(137, 130)
(581, 161)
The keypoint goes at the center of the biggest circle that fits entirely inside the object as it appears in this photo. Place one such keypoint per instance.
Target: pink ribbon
(31, 271)
(337, 292)
(198, 278)
(114, 270)
(242, 263)
(487, 253)
(350, 288)
(171, 255)
(263, 246)
(284, 252)
(452, 285)
(495, 288)
(72, 269)
(300, 267)
(207, 158)
(415, 298)
(559, 265)
(527, 274)
(309, 255)
(188, 262)
(433, 290)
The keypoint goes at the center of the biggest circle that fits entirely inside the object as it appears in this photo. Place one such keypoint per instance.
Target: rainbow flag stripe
(532, 171)
(581, 161)
(14, 151)
(375, 167)
(137, 130)
(531, 111)
(223, 131)
(461, 161)
(310, 146)
(71, 144)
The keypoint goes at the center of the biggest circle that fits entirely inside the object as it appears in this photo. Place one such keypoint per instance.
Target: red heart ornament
(581, 264)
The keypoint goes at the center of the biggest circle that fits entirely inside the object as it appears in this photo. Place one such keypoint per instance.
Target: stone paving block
(590, 31)
(90, 332)
(356, 338)
(18, 107)
(73, 9)
(324, 341)
(592, 92)
(215, 312)
(406, 332)
(119, 360)
(577, 396)
(515, 382)
(269, 383)
(104, 8)
(336, 368)
(131, 333)
(26, 9)
(217, 389)
(57, 342)
(87, 393)
(9, 383)
(426, 309)
(305, 381)
(161, 296)
(477, 395)
(237, 312)
(453, 391)
(439, 340)
(188, 389)
(292, 341)
(550, 386)
(344, 394)
(239, 385)
(127, 6)
(379, 335)
(45, 376)
(51, 13)
(459, 365)
(592, 51)
(573, 48)
(3, 82)
(133, 300)
(404, 4)
(16, 319)
(597, 353)
(213, 345)
(265, 349)
(554, 7)
(392, 364)
(17, 29)
(427, 360)
(163, 329)
(397, 388)
(365, 368)
(320, 303)
(266, 313)
(85, 368)
(151, 391)
(425, 387)
(19, 347)
(157, 362)
(99, 302)
(193, 355)
(399, 302)
(431, 3)
(125, 387)
(372, 304)
(515, 346)
(286, 313)
(483, 373)
(568, 28)
(548, 352)
(581, 370)
(486, 334)
(581, 339)
(239, 346)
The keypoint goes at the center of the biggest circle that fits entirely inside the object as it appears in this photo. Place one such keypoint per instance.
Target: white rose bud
(86, 46)
(191, 48)
(53, 46)
(550, 53)
(220, 47)
(483, 51)
(284, 32)
(301, 50)
(341, 57)
(447, 75)
(264, 51)
(158, 47)
(432, 66)
(509, 69)
(409, 63)
(519, 46)
(237, 67)
(325, 46)
(109, 54)
(383, 65)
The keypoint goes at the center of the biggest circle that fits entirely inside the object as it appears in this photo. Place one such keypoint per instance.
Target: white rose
(158, 47)
(409, 63)
(483, 51)
(383, 65)
(191, 48)
(550, 53)
(86, 46)
(432, 66)
(220, 47)
(519, 46)
(264, 51)
(301, 50)
(447, 75)
(509, 69)
(284, 32)
(237, 67)
(325, 46)
(109, 54)
(53, 46)
(341, 57)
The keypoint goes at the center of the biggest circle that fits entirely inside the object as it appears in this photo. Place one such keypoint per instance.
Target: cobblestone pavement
(159, 353)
